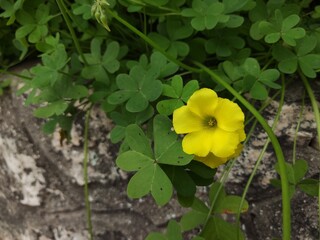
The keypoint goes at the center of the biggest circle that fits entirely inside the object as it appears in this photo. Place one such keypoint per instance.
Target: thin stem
(85, 174)
(297, 130)
(150, 42)
(286, 216)
(15, 74)
(317, 118)
(63, 10)
(253, 173)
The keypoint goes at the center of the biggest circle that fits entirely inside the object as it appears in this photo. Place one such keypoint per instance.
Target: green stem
(316, 116)
(15, 74)
(297, 130)
(63, 10)
(150, 42)
(85, 174)
(286, 211)
(260, 158)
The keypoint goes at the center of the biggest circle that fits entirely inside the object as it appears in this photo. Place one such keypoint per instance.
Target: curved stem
(286, 211)
(63, 10)
(150, 42)
(260, 158)
(85, 174)
(297, 130)
(316, 113)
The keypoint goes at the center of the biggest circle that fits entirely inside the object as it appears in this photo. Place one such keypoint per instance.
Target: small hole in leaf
(161, 189)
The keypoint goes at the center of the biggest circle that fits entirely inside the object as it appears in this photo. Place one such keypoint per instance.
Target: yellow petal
(203, 102)
(211, 160)
(229, 115)
(242, 134)
(238, 151)
(184, 121)
(198, 143)
(224, 143)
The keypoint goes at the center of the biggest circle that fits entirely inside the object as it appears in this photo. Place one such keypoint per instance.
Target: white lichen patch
(75, 157)
(101, 167)
(61, 233)
(29, 178)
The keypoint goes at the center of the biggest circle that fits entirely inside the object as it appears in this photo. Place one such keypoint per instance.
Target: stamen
(212, 122)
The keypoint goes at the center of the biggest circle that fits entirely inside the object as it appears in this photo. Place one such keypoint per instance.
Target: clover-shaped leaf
(173, 233)
(179, 94)
(160, 62)
(224, 43)
(48, 73)
(279, 28)
(35, 27)
(54, 108)
(126, 118)
(256, 79)
(82, 7)
(10, 9)
(137, 89)
(169, 34)
(101, 64)
(150, 177)
(205, 14)
(289, 61)
(296, 173)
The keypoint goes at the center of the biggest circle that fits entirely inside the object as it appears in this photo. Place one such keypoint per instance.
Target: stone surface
(41, 183)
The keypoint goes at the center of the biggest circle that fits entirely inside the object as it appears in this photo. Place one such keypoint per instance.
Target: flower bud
(98, 10)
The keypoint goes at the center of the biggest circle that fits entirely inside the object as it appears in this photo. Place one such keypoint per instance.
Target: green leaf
(76, 92)
(117, 134)
(133, 161)
(140, 184)
(300, 169)
(289, 22)
(189, 89)
(252, 67)
(166, 107)
(137, 140)
(138, 88)
(217, 195)
(25, 30)
(197, 216)
(49, 126)
(259, 91)
(205, 16)
(54, 108)
(231, 204)
(181, 181)
(309, 64)
(219, 229)
(289, 65)
(168, 149)
(137, 103)
(177, 85)
(173, 231)
(310, 186)
(161, 188)
(201, 169)
(155, 236)
(268, 78)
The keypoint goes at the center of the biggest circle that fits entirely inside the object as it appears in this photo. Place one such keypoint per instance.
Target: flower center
(211, 122)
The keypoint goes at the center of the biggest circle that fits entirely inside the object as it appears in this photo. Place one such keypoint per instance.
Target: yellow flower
(212, 125)
(213, 161)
